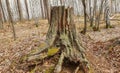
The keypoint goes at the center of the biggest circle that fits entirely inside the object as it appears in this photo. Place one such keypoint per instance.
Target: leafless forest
(59, 36)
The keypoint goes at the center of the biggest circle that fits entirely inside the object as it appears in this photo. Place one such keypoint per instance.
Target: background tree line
(32, 9)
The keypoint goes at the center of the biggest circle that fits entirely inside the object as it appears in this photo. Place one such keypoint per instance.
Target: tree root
(77, 69)
(58, 67)
(73, 52)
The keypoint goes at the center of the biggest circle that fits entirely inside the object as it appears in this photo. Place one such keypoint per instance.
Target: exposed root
(58, 67)
(77, 69)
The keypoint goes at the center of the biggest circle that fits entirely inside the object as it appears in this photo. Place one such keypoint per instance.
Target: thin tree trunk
(42, 10)
(91, 14)
(19, 10)
(46, 9)
(85, 17)
(26, 5)
(99, 15)
(3, 14)
(1, 24)
(11, 19)
(107, 19)
(107, 13)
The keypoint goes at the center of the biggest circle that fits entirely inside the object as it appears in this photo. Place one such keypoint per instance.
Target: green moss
(52, 51)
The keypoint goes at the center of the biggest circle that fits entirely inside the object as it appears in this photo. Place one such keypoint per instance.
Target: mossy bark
(62, 35)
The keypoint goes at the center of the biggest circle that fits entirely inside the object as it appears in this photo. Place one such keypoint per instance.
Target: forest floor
(103, 47)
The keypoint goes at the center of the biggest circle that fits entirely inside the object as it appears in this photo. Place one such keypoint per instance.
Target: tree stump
(62, 35)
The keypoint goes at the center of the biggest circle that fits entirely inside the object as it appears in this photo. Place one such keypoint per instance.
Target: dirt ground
(103, 47)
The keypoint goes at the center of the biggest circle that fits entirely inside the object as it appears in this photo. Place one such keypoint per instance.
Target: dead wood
(61, 38)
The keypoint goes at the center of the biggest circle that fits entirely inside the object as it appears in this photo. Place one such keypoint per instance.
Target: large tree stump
(62, 35)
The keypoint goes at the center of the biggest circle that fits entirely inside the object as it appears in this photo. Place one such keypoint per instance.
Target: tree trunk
(42, 9)
(107, 19)
(47, 9)
(85, 17)
(91, 14)
(107, 14)
(3, 14)
(26, 5)
(99, 16)
(1, 24)
(11, 19)
(62, 35)
(20, 10)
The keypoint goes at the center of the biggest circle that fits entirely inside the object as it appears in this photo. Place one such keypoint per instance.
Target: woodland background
(31, 9)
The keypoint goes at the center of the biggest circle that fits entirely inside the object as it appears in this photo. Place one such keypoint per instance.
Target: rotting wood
(62, 35)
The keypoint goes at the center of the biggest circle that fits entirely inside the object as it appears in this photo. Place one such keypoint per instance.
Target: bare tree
(46, 9)
(97, 22)
(42, 8)
(107, 13)
(85, 17)
(11, 19)
(19, 10)
(1, 25)
(1, 22)
(3, 14)
(91, 9)
(26, 5)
